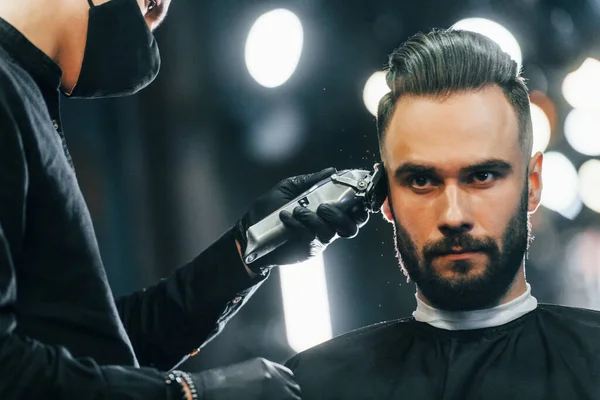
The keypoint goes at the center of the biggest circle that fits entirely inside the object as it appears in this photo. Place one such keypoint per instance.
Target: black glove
(309, 232)
(255, 379)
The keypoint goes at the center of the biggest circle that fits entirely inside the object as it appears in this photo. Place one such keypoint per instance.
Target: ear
(535, 182)
(386, 211)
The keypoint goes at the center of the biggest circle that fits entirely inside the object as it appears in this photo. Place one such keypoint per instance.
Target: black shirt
(62, 335)
(551, 353)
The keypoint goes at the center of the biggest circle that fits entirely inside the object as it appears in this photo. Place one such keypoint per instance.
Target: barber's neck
(57, 27)
(517, 288)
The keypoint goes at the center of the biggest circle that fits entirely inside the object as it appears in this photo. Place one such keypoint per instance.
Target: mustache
(462, 243)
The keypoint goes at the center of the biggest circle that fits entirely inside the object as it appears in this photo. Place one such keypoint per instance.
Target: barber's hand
(309, 232)
(256, 379)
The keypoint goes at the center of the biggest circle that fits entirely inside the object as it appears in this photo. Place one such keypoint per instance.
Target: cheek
(493, 211)
(142, 5)
(490, 206)
(416, 217)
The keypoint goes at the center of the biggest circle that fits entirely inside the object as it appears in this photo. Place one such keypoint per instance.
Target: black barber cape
(62, 336)
(551, 353)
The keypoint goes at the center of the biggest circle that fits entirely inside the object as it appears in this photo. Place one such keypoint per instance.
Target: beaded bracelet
(185, 382)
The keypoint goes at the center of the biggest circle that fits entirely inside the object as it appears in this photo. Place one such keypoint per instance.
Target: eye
(151, 5)
(483, 177)
(420, 181)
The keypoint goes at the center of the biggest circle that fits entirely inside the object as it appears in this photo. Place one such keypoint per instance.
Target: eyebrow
(410, 168)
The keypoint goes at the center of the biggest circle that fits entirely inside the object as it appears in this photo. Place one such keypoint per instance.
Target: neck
(476, 319)
(58, 30)
(516, 289)
(517, 302)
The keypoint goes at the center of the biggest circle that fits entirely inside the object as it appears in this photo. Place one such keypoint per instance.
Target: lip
(459, 256)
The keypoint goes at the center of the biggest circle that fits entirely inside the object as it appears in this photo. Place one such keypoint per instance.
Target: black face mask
(121, 55)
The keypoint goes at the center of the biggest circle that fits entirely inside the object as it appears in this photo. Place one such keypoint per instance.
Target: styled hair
(445, 62)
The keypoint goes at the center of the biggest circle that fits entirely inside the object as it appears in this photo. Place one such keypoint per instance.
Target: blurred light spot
(581, 87)
(589, 185)
(573, 210)
(541, 129)
(595, 5)
(562, 21)
(581, 281)
(494, 31)
(582, 130)
(560, 185)
(374, 90)
(307, 319)
(276, 136)
(544, 102)
(273, 47)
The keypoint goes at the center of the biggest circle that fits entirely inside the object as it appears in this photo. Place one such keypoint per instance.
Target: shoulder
(16, 83)
(572, 332)
(351, 345)
(573, 315)
(20, 99)
(11, 79)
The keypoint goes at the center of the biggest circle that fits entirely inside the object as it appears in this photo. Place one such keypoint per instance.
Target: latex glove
(255, 379)
(310, 232)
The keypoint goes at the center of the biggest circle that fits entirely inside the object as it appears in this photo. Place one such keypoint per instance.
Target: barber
(62, 334)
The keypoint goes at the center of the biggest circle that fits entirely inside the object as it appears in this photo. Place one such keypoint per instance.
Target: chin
(463, 285)
(460, 269)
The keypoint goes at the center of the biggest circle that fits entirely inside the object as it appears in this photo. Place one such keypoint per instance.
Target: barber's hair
(445, 62)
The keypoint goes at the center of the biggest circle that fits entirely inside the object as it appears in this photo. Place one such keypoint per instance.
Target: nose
(455, 216)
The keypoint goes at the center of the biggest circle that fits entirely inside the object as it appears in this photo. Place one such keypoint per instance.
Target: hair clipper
(348, 188)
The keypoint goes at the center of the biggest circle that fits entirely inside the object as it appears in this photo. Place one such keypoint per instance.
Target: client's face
(458, 196)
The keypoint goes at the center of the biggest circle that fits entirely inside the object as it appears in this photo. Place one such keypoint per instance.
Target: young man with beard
(455, 137)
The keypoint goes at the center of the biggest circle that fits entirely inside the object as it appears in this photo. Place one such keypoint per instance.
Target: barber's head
(153, 11)
(455, 135)
(105, 48)
(120, 55)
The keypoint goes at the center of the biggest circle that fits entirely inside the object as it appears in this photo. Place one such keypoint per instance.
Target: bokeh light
(589, 184)
(374, 90)
(494, 31)
(560, 180)
(581, 87)
(276, 135)
(307, 319)
(582, 131)
(273, 47)
(541, 129)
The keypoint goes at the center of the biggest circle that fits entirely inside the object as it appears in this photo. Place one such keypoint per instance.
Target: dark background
(167, 171)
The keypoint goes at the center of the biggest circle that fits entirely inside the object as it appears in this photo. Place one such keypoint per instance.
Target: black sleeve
(293, 362)
(30, 369)
(186, 310)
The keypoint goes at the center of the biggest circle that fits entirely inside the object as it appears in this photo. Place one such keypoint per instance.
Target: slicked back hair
(445, 62)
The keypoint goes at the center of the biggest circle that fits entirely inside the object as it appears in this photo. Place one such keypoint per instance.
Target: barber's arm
(30, 369)
(33, 370)
(186, 310)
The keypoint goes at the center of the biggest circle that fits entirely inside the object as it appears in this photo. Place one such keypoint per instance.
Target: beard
(466, 293)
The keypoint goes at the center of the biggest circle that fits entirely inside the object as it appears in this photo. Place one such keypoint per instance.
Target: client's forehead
(462, 129)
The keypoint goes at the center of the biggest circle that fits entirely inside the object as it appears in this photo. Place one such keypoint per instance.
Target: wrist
(180, 386)
(251, 273)
(255, 271)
